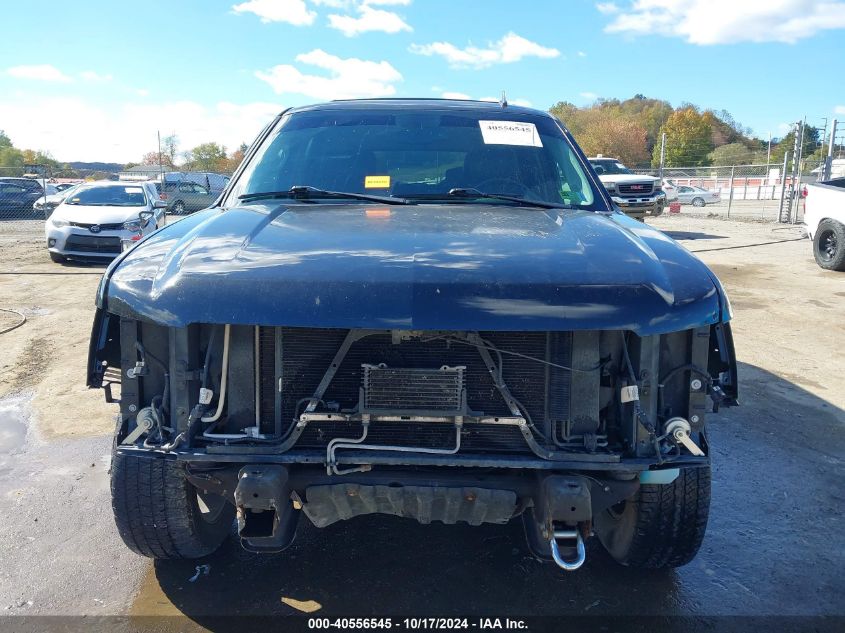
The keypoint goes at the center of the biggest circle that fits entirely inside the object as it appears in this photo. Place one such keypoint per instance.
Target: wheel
(698, 202)
(662, 525)
(160, 515)
(178, 207)
(829, 245)
(59, 259)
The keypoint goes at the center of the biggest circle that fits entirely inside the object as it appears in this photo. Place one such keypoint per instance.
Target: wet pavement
(774, 544)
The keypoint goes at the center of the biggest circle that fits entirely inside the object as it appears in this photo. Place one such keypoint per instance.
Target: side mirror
(158, 204)
(145, 217)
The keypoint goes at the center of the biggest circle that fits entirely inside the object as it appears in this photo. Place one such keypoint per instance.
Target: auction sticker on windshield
(377, 182)
(510, 133)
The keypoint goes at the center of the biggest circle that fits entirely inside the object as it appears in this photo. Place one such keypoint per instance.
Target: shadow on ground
(776, 507)
(693, 235)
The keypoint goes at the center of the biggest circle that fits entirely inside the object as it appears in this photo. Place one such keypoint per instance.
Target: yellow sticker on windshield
(377, 182)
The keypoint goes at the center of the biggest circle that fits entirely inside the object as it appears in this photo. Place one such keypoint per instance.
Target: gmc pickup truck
(824, 217)
(638, 196)
(423, 308)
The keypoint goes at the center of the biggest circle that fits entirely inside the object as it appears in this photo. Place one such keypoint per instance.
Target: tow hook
(580, 550)
(679, 430)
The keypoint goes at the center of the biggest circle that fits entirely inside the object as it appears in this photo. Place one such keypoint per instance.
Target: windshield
(109, 196)
(609, 167)
(421, 156)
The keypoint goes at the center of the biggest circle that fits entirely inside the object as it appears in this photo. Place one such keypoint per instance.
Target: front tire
(829, 245)
(698, 202)
(58, 259)
(662, 525)
(159, 514)
(179, 207)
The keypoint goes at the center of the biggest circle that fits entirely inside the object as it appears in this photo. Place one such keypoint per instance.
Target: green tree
(734, 154)
(206, 157)
(688, 139)
(787, 143)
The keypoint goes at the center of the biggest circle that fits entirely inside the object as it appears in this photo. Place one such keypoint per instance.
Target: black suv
(423, 308)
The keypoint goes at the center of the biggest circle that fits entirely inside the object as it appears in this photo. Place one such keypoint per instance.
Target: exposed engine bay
(417, 423)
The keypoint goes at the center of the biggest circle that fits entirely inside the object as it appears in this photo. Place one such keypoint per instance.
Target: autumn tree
(206, 157)
(603, 133)
(688, 139)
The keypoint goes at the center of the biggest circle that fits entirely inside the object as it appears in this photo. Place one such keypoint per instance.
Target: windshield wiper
(470, 192)
(304, 192)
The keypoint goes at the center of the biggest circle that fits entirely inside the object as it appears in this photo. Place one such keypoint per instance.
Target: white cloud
(91, 75)
(142, 92)
(581, 54)
(607, 7)
(525, 103)
(39, 72)
(347, 78)
(707, 22)
(840, 109)
(369, 19)
(511, 48)
(589, 96)
(291, 11)
(127, 131)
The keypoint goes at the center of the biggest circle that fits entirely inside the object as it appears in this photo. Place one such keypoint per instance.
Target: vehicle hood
(95, 214)
(627, 178)
(432, 267)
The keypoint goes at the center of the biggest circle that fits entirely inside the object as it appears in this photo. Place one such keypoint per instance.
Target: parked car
(824, 217)
(96, 218)
(697, 196)
(64, 186)
(424, 308)
(637, 195)
(43, 207)
(17, 195)
(185, 196)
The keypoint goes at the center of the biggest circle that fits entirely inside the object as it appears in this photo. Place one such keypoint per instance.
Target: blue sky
(95, 80)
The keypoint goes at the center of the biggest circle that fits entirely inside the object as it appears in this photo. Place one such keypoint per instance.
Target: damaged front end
(435, 425)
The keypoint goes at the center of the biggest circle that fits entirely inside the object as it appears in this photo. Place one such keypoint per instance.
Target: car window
(200, 189)
(422, 154)
(111, 196)
(10, 189)
(186, 188)
(684, 189)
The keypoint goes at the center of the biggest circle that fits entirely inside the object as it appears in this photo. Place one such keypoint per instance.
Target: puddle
(13, 417)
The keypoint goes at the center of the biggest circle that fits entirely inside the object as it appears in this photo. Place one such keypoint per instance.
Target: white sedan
(97, 218)
(698, 197)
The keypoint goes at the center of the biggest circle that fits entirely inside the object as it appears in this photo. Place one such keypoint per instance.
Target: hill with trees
(631, 130)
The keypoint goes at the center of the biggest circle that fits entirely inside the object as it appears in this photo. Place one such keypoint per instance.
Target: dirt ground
(773, 546)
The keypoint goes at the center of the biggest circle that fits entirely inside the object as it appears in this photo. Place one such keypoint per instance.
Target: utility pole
(160, 167)
(769, 151)
(662, 153)
(828, 161)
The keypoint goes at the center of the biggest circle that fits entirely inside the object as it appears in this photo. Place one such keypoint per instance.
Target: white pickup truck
(638, 196)
(824, 217)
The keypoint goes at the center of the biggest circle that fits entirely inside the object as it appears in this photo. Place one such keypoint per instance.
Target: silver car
(698, 197)
(184, 196)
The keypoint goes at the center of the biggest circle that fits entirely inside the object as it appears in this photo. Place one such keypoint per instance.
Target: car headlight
(59, 223)
(610, 186)
(132, 225)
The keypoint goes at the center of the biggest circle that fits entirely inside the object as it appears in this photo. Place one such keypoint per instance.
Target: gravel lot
(774, 545)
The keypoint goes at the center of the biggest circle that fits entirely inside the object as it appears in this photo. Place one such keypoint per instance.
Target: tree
(604, 133)
(734, 154)
(787, 143)
(152, 159)
(5, 141)
(170, 149)
(688, 139)
(206, 157)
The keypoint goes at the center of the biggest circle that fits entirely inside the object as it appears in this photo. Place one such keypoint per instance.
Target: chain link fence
(751, 192)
